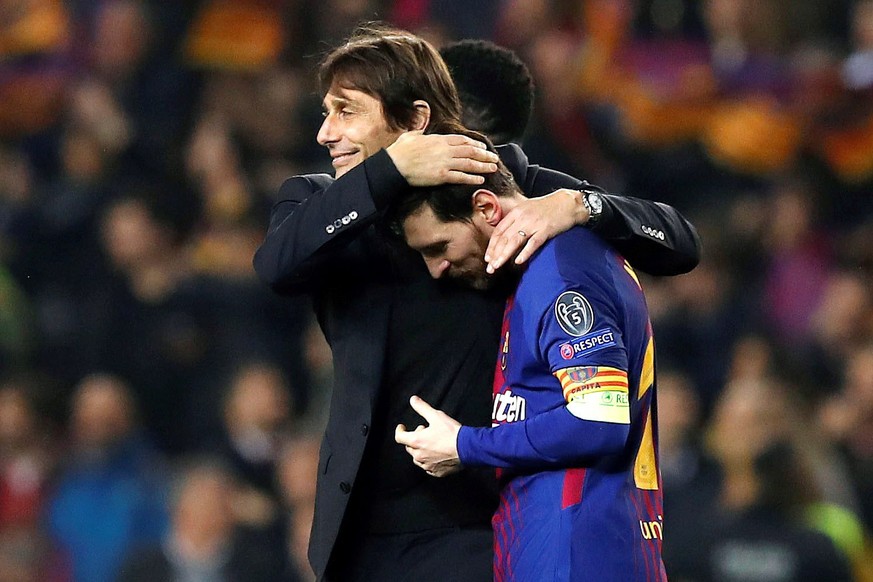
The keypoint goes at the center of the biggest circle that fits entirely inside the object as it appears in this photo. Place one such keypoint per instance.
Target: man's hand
(433, 448)
(433, 159)
(529, 225)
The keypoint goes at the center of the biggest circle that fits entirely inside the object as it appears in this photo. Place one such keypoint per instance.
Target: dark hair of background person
(395, 67)
(495, 86)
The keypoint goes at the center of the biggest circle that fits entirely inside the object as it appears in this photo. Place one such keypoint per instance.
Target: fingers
(534, 242)
(474, 151)
(472, 165)
(425, 410)
(456, 139)
(456, 177)
(403, 436)
(503, 246)
(465, 170)
(469, 159)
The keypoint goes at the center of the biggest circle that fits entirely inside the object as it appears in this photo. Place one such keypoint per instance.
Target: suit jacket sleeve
(654, 237)
(321, 226)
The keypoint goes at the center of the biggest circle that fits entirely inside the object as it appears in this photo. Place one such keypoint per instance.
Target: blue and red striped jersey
(574, 422)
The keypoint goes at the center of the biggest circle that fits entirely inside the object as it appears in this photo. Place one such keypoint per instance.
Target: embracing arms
(316, 226)
(654, 237)
(317, 221)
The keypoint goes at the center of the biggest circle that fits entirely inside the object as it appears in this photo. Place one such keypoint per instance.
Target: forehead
(338, 96)
(423, 229)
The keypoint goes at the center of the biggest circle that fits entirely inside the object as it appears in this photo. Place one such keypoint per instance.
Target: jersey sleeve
(578, 335)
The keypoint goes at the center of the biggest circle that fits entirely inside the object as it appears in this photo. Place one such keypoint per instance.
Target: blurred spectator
(297, 470)
(761, 534)
(257, 412)
(110, 495)
(847, 419)
(26, 556)
(137, 96)
(233, 199)
(858, 67)
(797, 249)
(26, 455)
(842, 321)
(203, 542)
(319, 362)
(34, 51)
(691, 477)
(146, 321)
(61, 262)
(698, 317)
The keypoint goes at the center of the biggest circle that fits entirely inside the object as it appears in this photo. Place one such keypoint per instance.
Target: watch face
(595, 203)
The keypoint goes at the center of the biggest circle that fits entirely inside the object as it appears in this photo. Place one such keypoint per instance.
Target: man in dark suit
(396, 332)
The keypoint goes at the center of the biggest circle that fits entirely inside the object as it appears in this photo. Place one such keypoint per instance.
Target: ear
(422, 114)
(487, 207)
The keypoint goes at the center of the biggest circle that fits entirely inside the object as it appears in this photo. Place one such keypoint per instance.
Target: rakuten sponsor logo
(507, 407)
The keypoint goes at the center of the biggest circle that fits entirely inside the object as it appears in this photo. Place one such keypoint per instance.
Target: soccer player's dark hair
(451, 202)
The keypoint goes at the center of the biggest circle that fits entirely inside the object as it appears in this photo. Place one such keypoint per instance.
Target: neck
(508, 203)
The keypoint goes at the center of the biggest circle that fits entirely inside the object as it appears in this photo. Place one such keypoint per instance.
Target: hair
(495, 87)
(397, 68)
(451, 202)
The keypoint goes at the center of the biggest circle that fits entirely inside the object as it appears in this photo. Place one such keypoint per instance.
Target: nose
(327, 132)
(437, 267)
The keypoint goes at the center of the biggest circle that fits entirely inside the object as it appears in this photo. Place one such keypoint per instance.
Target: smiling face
(453, 249)
(354, 128)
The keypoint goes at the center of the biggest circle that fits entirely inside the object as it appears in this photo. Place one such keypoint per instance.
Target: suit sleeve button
(345, 487)
(365, 429)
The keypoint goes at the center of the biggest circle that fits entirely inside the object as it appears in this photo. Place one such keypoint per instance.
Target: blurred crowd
(160, 409)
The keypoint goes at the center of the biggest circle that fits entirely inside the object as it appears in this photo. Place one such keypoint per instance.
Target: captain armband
(597, 393)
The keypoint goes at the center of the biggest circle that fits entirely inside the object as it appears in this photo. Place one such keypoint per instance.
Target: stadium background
(141, 143)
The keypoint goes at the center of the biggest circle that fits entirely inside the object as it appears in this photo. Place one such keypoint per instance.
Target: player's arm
(654, 237)
(575, 333)
(592, 422)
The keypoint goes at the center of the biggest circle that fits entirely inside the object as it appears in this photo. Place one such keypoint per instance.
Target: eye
(434, 250)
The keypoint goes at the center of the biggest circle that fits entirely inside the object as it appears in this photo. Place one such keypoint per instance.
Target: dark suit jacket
(323, 240)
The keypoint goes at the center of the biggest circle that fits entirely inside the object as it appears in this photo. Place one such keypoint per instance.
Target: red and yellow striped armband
(596, 393)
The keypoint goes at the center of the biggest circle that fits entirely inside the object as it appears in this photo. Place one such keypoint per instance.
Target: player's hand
(432, 159)
(529, 225)
(433, 448)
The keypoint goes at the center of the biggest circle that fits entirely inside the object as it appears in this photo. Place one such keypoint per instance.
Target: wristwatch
(594, 203)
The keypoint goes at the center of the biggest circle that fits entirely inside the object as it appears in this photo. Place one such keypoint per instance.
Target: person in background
(111, 495)
(203, 542)
(495, 88)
